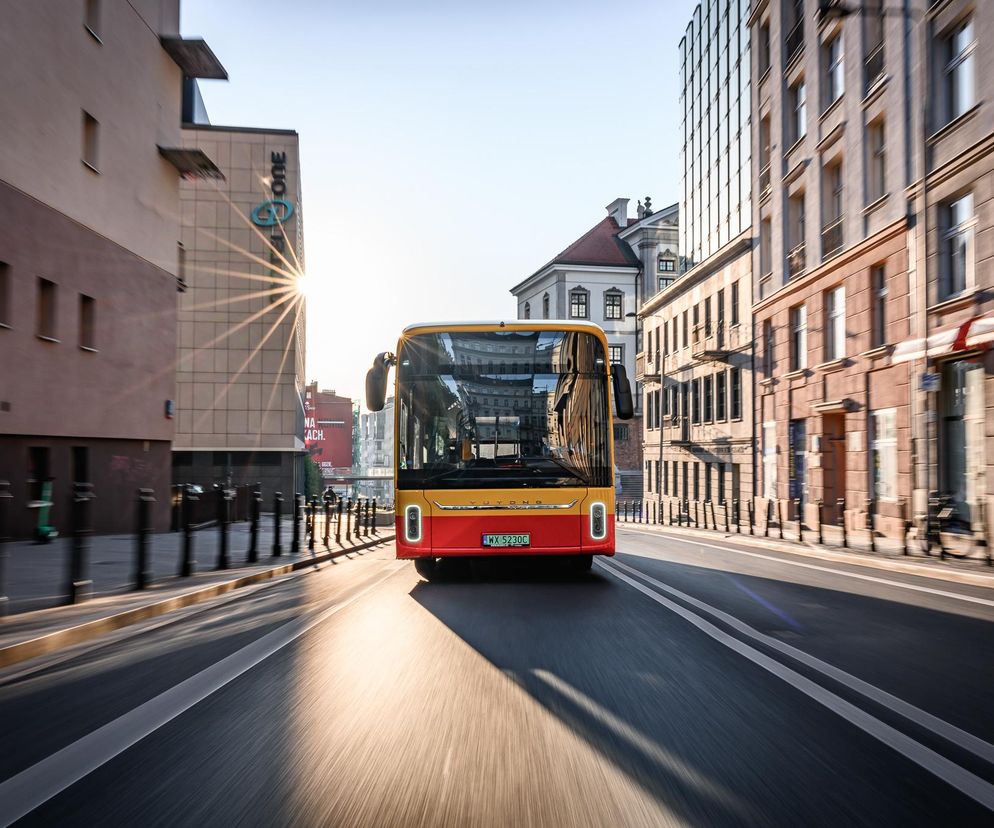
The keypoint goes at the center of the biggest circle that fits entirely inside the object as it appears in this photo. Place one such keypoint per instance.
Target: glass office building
(715, 103)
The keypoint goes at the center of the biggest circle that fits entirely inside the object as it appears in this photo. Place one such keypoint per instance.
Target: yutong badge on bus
(506, 540)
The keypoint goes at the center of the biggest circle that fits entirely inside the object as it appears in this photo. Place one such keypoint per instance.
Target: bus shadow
(512, 569)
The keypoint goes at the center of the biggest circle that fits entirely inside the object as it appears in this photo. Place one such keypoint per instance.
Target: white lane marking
(987, 602)
(629, 734)
(973, 786)
(938, 726)
(22, 793)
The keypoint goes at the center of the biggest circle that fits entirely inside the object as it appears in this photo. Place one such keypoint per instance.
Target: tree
(313, 482)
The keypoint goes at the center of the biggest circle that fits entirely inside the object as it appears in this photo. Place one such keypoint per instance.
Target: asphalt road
(678, 683)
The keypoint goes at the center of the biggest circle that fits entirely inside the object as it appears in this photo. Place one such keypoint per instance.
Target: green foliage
(313, 482)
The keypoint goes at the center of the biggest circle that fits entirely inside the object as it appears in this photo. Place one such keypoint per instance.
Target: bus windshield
(498, 409)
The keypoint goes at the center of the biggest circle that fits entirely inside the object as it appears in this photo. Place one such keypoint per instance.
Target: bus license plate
(506, 540)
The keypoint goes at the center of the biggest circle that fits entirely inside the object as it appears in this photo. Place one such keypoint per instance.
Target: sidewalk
(39, 621)
(889, 554)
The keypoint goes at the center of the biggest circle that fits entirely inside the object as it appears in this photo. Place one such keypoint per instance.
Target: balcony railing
(795, 261)
(646, 370)
(764, 180)
(795, 41)
(873, 65)
(831, 238)
(718, 340)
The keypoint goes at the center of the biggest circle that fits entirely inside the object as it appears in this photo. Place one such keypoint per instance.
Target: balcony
(646, 369)
(795, 261)
(709, 342)
(873, 66)
(831, 238)
(794, 42)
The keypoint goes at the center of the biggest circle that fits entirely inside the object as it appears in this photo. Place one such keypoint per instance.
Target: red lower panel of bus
(547, 534)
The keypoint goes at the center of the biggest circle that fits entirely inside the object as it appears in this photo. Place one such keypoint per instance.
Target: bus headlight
(598, 521)
(412, 524)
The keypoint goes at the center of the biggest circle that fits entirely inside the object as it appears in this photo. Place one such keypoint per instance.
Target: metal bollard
(669, 511)
(311, 510)
(348, 520)
(5, 502)
(780, 517)
(79, 585)
(255, 510)
(818, 506)
(752, 516)
(906, 521)
(374, 517)
(223, 525)
(327, 520)
(697, 517)
(870, 507)
(295, 528)
(358, 519)
(365, 532)
(841, 505)
(769, 518)
(143, 576)
(714, 518)
(188, 560)
(338, 523)
(277, 524)
(728, 528)
(800, 520)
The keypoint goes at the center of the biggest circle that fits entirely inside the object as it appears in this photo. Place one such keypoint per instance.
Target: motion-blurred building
(240, 357)
(376, 453)
(89, 258)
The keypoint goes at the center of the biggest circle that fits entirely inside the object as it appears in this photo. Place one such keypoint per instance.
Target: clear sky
(449, 148)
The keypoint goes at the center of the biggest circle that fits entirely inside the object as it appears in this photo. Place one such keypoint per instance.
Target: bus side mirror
(376, 382)
(622, 392)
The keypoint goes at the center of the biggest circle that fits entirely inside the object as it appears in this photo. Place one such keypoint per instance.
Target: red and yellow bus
(503, 439)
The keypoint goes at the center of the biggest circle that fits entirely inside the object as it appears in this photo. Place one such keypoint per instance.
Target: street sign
(929, 382)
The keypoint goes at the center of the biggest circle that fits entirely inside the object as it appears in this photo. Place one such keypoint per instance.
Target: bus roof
(508, 324)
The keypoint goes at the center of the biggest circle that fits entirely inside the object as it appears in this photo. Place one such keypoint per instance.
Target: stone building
(833, 120)
(240, 357)
(89, 195)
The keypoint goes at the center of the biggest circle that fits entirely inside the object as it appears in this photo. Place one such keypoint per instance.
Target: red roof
(600, 245)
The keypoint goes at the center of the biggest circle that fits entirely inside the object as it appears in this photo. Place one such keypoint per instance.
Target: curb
(60, 639)
(811, 551)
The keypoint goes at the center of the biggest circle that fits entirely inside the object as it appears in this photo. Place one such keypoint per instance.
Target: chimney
(618, 210)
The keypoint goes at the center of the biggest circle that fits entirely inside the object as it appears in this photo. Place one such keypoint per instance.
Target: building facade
(833, 120)
(240, 357)
(376, 444)
(951, 292)
(696, 358)
(602, 277)
(89, 194)
(328, 430)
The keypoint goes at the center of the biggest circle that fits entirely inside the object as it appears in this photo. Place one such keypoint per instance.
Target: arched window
(528, 310)
(545, 306)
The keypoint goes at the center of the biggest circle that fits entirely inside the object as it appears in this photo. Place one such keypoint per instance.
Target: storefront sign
(275, 213)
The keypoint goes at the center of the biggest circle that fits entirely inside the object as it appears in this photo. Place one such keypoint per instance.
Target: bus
(503, 439)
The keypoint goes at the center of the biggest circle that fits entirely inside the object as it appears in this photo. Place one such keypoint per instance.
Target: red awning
(981, 331)
(941, 343)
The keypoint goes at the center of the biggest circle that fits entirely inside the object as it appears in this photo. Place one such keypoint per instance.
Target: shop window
(883, 453)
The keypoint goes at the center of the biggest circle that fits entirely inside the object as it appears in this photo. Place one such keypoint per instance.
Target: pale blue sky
(448, 148)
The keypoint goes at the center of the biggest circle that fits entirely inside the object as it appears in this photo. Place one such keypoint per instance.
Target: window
(883, 453)
(686, 331)
(578, 304)
(91, 17)
(659, 399)
(769, 460)
(798, 111)
(45, 323)
(720, 399)
(878, 288)
(876, 162)
(666, 264)
(835, 323)
(665, 339)
(87, 321)
(736, 394)
(5, 281)
(545, 306)
(648, 410)
(958, 223)
(613, 305)
(873, 42)
(960, 84)
(697, 481)
(798, 338)
(707, 482)
(796, 218)
(616, 354)
(648, 341)
(764, 48)
(720, 469)
(528, 310)
(684, 478)
(834, 70)
(708, 399)
(695, 402)
(768, 343)
(90, 142)
(620, 431)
